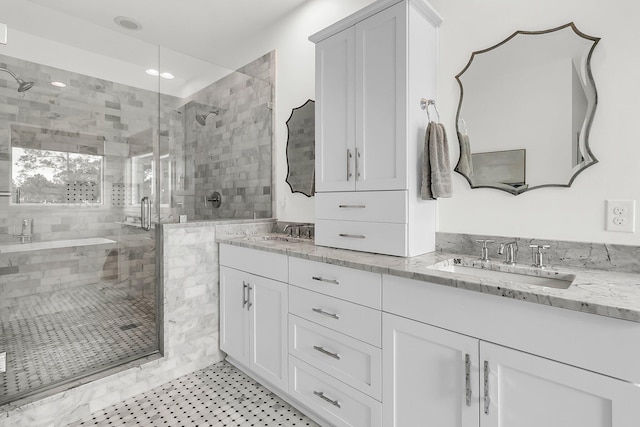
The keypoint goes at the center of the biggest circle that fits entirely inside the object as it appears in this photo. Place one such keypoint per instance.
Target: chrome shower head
(202, 118)
(22, 85)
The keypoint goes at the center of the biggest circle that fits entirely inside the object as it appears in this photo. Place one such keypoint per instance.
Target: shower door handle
(145, 213)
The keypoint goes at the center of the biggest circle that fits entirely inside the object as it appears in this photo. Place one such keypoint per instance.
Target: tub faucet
(512, 250)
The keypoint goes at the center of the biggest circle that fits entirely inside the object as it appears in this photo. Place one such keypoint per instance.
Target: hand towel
(436, 171)
(465, 166)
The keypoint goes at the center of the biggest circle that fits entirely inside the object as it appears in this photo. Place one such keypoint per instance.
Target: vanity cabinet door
(253, 323)
(425, 379)
(335, 112)
(523, 390)
(234, 318)
(381, 87)
(269, 346)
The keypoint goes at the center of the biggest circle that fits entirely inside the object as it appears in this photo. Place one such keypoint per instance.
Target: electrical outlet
(620, 215)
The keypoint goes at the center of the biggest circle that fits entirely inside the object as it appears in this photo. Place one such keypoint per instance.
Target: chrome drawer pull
(352, 206)
(326, 399)
(326, 313)
(326, 352)
(349, 174)
(244, 294)
(352, 236)
(322, 279)
(467, 377)
(486, 387)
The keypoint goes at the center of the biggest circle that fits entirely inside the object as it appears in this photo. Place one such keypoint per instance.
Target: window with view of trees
(47, 176)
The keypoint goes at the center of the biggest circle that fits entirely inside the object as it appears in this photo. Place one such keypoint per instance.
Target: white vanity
(374, 340)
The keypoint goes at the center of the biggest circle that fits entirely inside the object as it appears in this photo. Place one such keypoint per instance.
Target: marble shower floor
(60, 335)
(217, 396)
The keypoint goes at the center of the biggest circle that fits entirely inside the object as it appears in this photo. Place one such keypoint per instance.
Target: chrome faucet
(512, 250)
(485, 250)
(536, 251)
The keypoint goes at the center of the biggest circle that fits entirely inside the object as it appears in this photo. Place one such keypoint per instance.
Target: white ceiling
(199, 28)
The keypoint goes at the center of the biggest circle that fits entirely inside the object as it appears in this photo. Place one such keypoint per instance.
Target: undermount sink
(275, 238)
(497, 271)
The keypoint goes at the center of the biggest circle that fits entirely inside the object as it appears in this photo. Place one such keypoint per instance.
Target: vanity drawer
(333, 400)
(368, 206)
(376, 237)
(362, 287)
(356, 363)
(261, 263)
(348, 318)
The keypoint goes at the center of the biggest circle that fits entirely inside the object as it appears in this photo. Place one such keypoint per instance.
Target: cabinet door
(381, 86)
(335, 111)
(269, 307)
(529, 391)
(234, 315)
(425, 378)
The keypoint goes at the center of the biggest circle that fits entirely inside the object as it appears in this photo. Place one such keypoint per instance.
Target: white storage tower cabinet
(372, 70)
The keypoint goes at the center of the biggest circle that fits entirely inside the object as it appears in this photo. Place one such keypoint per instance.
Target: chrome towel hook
(424, 104)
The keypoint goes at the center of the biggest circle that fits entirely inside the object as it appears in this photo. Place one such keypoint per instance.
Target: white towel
(436, 171)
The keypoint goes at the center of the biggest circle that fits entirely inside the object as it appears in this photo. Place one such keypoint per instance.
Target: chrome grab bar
(145, 213)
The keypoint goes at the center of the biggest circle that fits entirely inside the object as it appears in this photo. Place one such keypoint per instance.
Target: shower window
(47, 176)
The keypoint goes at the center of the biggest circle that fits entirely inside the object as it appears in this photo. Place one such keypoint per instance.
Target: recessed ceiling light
(153, 72)
(167, 75)
(128, 23)
(58, 84)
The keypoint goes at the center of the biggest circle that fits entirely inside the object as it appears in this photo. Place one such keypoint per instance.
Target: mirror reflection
(525, 111)
(301, 149)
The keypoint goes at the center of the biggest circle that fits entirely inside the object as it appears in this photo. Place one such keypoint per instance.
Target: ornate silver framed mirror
(525, 111)
(301, 149)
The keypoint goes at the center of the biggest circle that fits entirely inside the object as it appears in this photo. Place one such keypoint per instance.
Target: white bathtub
(56, 244)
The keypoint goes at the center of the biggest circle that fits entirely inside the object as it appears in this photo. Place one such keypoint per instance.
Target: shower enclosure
(93, 153)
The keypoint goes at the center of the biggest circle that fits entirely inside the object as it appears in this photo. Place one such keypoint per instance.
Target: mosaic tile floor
(72, 332)
(217, 396)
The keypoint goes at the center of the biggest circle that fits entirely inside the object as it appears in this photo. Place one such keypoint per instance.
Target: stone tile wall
(232, 154)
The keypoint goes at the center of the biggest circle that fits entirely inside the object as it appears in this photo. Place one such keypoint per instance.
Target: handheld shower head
(202, 118)
(22, 85)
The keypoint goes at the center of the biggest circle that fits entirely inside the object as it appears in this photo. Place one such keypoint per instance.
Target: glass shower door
(78, 152)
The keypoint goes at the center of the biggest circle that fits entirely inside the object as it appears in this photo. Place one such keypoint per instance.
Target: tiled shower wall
(232, 154)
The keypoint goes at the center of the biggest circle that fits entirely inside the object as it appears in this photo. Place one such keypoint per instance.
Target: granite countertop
(606, 293)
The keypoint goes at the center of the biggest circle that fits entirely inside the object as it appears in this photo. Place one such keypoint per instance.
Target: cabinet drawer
(335, 401)
(368, 206)
(362, 287)
(351, 319)
(260, 263)
(376, 237)
(356, 363)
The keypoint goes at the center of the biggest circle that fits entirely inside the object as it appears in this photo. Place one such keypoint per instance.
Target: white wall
(575, 213)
